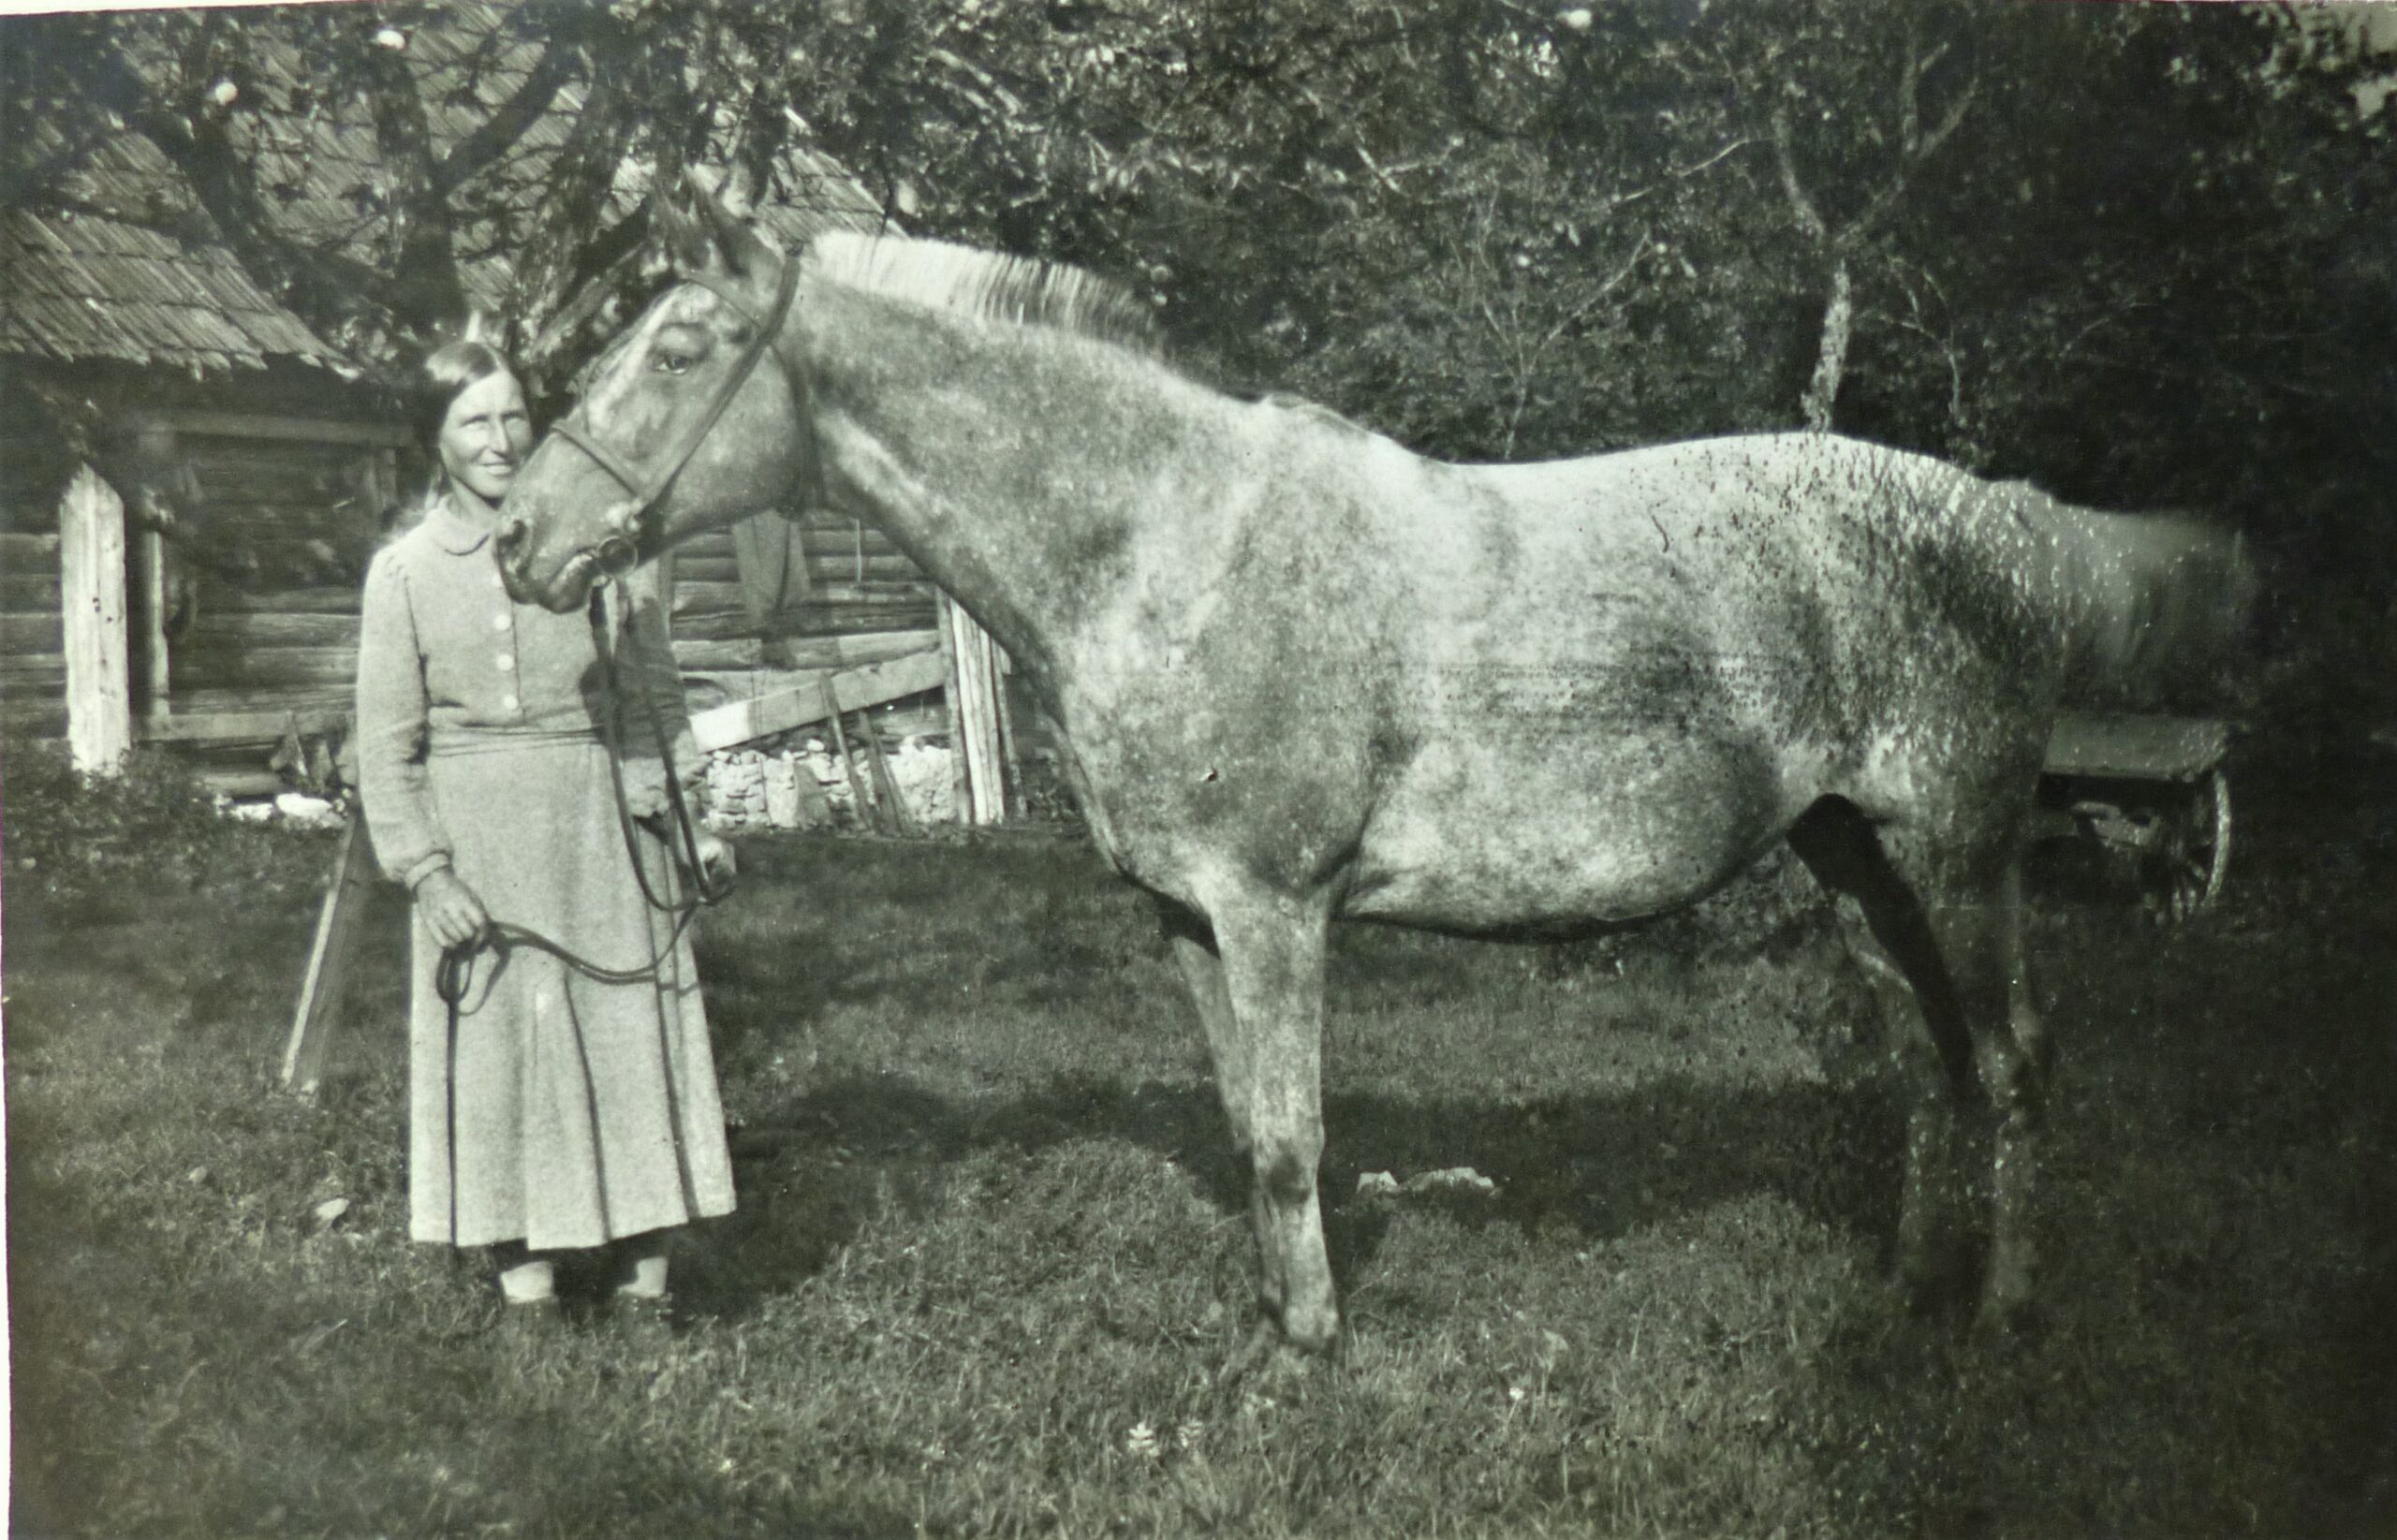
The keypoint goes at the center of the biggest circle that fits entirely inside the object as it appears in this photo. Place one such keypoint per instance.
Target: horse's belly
(1479, 840)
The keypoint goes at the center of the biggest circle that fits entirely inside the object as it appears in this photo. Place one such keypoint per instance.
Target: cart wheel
(2199, 855)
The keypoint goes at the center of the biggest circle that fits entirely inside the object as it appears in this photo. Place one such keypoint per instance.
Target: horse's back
(1623, 676)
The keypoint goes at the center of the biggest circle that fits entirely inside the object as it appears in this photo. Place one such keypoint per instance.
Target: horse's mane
(988, 285)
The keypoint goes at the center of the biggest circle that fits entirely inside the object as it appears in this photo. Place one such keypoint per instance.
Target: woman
(551, 1112)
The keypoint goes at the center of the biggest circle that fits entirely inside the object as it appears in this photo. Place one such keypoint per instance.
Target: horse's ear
(703, 235)
(679, 228)
(742, 247)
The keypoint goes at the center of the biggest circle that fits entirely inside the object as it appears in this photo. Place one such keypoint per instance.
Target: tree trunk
(1830, 362)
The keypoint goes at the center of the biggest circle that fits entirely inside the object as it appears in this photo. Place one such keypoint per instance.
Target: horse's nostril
(510, 534)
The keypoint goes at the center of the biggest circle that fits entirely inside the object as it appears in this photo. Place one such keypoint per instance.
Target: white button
(501, 623)
(507, 663)
(507, 703)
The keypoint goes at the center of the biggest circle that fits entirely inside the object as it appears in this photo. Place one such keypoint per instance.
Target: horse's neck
(1017, 468)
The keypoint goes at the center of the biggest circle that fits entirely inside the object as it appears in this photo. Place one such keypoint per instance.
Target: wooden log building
(189, 573)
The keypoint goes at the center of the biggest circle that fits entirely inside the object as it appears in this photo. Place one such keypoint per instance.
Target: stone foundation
(795, 781)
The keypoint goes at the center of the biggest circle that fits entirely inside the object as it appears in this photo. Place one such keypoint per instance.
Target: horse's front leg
(1256, 967)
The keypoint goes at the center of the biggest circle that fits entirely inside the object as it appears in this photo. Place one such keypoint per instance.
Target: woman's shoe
(644, 1319)
(527, 1322)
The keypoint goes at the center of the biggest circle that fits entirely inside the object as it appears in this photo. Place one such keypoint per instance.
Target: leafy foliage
(2139, 254)
(82, 847)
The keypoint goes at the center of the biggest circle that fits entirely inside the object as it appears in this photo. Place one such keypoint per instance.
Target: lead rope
(453, 975)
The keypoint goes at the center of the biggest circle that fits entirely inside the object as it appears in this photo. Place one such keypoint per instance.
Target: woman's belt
(444, 742)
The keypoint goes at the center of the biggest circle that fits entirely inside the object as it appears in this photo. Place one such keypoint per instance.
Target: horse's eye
(669, 362)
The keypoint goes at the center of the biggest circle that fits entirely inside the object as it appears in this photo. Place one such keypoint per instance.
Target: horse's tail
(2156, 608)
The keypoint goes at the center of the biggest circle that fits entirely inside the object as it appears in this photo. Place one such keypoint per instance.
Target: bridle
(620, 548)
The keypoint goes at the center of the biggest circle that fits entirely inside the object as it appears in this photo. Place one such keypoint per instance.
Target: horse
(1293, 665)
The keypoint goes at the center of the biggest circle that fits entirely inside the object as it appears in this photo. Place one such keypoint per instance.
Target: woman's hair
(442, 376)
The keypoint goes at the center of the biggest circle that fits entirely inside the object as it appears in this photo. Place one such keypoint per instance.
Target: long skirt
(556, 1109)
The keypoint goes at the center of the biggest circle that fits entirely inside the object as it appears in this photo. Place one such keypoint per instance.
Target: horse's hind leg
(1937, 931)
(1256, 971)
(1980, 935)
(1886, 936)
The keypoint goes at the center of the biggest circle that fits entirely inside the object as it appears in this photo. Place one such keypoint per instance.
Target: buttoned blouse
(448, 664)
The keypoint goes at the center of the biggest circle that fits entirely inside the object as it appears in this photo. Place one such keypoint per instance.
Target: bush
(73, 841)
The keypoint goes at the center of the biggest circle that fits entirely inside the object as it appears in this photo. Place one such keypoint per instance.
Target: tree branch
(1810, 219)
(332, 294)
(499, 133)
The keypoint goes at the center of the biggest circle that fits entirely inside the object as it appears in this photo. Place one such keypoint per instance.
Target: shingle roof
(83, 287)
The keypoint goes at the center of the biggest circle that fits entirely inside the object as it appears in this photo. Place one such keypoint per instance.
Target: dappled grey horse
(1295, 666)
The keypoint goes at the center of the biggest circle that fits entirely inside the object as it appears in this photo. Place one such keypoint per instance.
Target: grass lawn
(991, 1245)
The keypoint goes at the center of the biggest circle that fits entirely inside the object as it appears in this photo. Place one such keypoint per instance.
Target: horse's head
(678, 429)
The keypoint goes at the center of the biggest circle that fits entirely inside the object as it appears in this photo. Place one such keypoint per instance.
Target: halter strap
(763, 334)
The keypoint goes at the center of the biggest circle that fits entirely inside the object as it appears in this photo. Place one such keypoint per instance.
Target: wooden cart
(2152, 793)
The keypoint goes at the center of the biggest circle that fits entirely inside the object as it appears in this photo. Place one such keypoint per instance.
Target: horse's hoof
(1937, 1281)
(1268, 1360)
(2007, 1318)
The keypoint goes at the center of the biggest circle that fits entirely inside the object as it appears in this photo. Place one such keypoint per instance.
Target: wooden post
(1011, 771)
(960, 784)
(886, 786)
(91, 581)
(976, 717)
(867, 813)
(150, 569)
(320, 989)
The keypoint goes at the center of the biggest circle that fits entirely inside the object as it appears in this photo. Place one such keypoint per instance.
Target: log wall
(245, 621)
(33, 648)
(858, 582)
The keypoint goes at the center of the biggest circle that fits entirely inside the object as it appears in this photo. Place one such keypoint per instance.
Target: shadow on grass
(1599, 1166)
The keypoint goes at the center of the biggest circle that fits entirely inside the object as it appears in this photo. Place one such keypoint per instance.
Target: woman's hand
(450, 908)
(718, 865)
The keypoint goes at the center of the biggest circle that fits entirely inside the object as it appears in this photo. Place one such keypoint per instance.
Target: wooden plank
(287, 601)
(264, 628)
(960, 783)
(245, 726)
(321, 987)
(866, 811)
(813, 621)
(1010, 760)
(2136, 747)
(302, 430)
(28, 552)
(873, 591)
(852, 651)
(701, 565)
(847, 650)
(886, 787)
(33, 673)
(220, 665)
(91, 579)
(832, 546)
(978, 717)
(149, 645)
(25, 720)
(22, 633)
(277, 700)
(692, 654)
(700, 595)
(849, 690)
(32, 591)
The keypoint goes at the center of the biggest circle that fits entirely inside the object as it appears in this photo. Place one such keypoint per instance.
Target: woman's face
(486, 436)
